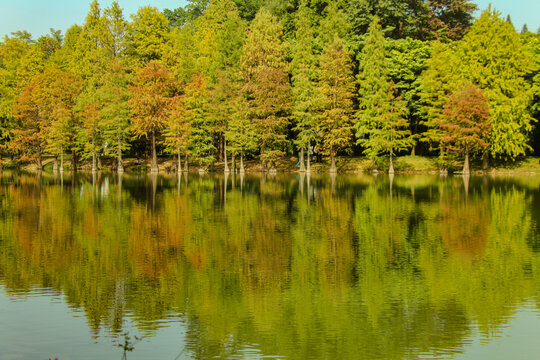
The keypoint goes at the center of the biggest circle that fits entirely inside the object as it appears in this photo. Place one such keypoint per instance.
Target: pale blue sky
(37, 16)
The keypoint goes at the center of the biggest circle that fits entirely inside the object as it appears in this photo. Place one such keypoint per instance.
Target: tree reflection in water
(302, 266)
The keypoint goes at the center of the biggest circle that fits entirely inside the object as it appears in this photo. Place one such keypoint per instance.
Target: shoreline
(406, 165)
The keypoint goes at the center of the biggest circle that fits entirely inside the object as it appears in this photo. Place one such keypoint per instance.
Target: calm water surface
(291, 267)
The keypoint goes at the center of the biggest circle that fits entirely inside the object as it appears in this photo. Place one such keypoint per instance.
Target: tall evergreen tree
(200, 124)
(150, 99)
(381, 126)
(436, 83)
(267, 86)
(466, 122)
(304, 90)
(494, 58)
(336, 85)
(114, 96)
(147, 35)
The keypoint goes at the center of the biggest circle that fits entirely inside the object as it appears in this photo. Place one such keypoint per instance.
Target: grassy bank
(402, 164)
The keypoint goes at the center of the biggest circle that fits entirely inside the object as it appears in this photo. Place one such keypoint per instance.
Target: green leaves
(381, 126)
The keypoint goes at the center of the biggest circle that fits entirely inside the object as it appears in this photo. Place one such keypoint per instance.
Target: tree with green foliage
(221, 37)
(147, 34)
(117, 27)
(189, 13)
(114, 96)
(494, 58)
(466, 122)
(91, 132)
(20, 60)
(200, 124)
(436, 83)
(267, 86)
(305, 94)
(407, 60)
(336, 85)
(398, 18)
(381, 126)
(533, 78)
(241, 130)
(150, 99)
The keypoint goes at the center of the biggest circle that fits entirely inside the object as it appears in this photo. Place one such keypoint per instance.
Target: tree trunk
(333, 168)
(94, 168)
(391, 169)
(233, 163)
(61, 159)
(301, 160)
(263, 162)
(73, 161)
(120, 165)
(466, 168)
(221, 147)
(226, 168)
(273, 169)
(308, 169)
(154, 166)
(242, 170)
(179, 170)
(186, 164)
(485, 161)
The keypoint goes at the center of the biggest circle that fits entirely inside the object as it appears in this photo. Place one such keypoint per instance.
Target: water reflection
(300, 266)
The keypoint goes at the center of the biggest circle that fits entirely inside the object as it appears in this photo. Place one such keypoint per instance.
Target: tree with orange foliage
(45, 110)
(28, 137)
(176, 132)
(150, 101)
(465, 122)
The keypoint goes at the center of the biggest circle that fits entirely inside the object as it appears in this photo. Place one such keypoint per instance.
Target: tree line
(221, 79)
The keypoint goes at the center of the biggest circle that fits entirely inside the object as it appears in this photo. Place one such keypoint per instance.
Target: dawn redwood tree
(150, 99)
(336, 85)
(200, 124)
(466, 122)
(20, 61)
(494, 57)
(267, 88)
(381, 126)
(241, 130)
(92, 118)
(407, 61)
(114, 96)
(436, 83)
(177, 130)
(304, 90)
(28, 137)
(147, 35)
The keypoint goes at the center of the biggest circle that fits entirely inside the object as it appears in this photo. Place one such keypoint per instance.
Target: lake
(284, 267)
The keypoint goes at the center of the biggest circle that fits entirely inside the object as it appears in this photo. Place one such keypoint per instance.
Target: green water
(292, 267)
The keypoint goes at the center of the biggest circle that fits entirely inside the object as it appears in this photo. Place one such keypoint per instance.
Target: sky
(37, 16)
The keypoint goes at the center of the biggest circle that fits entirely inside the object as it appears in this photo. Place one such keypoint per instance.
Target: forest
(229, 80)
